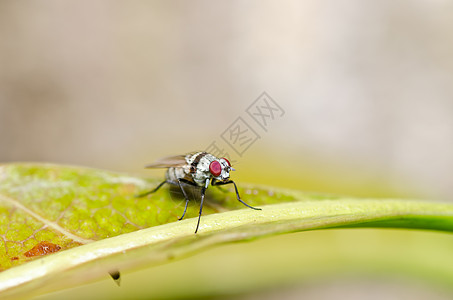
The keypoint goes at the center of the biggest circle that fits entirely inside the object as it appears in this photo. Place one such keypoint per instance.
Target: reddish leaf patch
(42, 248)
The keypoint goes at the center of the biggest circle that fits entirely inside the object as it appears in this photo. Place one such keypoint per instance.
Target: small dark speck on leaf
(14, 258)
(116, 276)
(42, 248)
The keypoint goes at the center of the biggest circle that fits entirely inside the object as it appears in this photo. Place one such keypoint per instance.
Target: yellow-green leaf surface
(72, 206)
(98, 224)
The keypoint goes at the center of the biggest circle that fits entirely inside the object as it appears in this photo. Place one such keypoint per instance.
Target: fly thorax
(202, 169)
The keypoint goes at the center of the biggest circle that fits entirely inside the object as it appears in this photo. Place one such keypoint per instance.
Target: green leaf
(73, 206)
(94, 218)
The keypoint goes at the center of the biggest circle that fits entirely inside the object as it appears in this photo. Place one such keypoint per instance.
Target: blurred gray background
(116, 84)
(367, 86)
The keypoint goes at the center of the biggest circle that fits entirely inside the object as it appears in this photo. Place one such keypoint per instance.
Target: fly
(195, 169)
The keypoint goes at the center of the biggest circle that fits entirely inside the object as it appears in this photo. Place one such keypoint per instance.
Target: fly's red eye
(215, 168)
(228, 162)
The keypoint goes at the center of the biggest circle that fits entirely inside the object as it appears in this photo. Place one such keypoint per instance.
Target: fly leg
(217, 183)
(184, 193)
(166, 181)
(203, 191)
(152, 191)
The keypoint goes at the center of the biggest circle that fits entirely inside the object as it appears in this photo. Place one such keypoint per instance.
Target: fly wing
(168, 162)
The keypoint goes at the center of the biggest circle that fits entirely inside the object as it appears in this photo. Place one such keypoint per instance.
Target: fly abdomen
(175, 173)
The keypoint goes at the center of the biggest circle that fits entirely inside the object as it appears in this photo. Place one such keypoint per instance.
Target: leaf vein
(47, 222)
